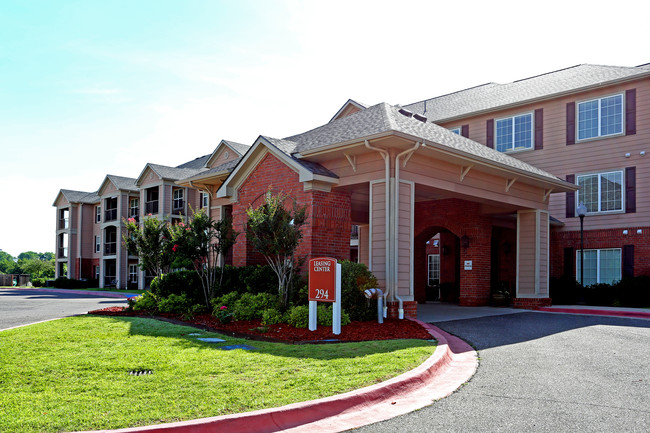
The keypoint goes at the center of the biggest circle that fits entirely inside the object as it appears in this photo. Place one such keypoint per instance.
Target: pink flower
(223, 307)
(181, 224)
(174, 247)
(187, 229)
(131, 220)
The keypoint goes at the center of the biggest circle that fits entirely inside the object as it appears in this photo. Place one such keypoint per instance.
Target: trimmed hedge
(629, 292)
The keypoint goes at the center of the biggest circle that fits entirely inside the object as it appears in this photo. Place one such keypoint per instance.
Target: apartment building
(491, 175)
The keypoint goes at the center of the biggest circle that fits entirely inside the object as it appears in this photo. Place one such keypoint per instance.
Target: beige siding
(526, 249)
(405, 240)
(378, 232)
(544, 239)
(588, 156)
(364, 245)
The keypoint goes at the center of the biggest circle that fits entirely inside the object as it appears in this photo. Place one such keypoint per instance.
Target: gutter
(384, 154)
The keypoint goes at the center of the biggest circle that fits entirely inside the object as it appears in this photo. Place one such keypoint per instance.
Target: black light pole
(582, 210)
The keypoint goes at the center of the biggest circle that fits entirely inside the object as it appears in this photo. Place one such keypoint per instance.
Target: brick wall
(410, 309)
(608, 238)
(327, 230)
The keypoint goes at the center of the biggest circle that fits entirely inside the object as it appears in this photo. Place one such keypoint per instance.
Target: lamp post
(582, 211)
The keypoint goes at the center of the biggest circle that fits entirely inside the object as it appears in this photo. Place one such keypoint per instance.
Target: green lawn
(73, 374)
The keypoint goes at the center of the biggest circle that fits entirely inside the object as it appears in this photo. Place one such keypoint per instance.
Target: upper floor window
(111, 209)
(455, 130)
(514, 133)
(98, 247)
(134, 207)
(98, 214)
(204, 199)
(178, 199)
(601, 266)
(601, 192)
(600, 117)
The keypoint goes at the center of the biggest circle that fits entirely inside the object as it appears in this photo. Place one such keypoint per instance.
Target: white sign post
(325, 286)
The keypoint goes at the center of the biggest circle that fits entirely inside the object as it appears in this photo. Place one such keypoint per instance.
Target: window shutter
(630, 189)
(569, 257)
(628, 261)
(464, 131)
(539, 129)
(571, 198)
(571, 123)
(490, 133)
(630, 112)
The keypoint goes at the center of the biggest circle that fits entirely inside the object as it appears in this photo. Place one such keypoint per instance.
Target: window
(98, 244)
(455, 130)
(178, 199)
(133, 273)
(601, 192)
(134, 207)
(514, 133)
(96, 272)
(600, 117)
(434, 269)
(204, 199)
(98, 213)
(601, 266)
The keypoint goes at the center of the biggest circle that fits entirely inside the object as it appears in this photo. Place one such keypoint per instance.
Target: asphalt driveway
(545, 372)
(21, 307)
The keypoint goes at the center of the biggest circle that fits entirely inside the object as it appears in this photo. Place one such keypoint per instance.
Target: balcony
(64, 224)
(63, 253)
(110, 248)
(151, 207)
(110, 215)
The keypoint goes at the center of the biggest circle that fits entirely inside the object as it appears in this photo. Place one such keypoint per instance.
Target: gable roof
(122, 183)
(492, 95)
(77, 196)
(383, 119)
(238, 148)
(350, 104)
(195, 163)
(168, 173)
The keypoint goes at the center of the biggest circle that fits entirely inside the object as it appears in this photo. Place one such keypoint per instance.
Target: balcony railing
(110, 248)
(63, 252)
(64, 223)
(110, 215)
(151, 207)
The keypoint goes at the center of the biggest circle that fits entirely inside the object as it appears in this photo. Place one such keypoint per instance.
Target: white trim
(512, 149)
(599, 99)
(599, 173)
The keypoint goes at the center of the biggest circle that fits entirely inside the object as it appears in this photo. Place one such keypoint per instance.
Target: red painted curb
(451, 365)
(615, 313)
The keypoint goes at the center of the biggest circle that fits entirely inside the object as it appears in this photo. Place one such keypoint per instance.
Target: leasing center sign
(322, 279)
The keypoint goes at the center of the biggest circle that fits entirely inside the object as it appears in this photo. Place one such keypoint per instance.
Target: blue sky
(89, 88)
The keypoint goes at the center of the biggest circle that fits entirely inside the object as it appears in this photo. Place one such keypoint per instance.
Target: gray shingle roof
(123, 183)
(289, 147)
(492, 95)
(239, 147)
(174, 173)
(383, 118)
(80, 196)
(195, 163)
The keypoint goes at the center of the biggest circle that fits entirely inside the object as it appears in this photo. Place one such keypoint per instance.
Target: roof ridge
(548, 73)
(452, 93)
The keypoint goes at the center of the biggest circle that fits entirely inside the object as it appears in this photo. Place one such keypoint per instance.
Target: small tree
(203, 241)
(152, 243)
(275, 232)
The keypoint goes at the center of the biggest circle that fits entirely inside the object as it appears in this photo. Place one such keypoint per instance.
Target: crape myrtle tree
(275, 232)
(204, 242)
(151, 242)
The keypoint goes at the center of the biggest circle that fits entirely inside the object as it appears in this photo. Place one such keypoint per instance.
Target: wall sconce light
(464, 242)
(627, 155)
(624, 232)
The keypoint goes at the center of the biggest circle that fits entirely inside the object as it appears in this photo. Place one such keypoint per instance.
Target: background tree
(152, 243)
(275, 232)
(203, 241)
(38, 268)
(7, 263)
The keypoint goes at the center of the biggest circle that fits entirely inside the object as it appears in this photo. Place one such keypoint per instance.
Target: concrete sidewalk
(636, 313)
(435, 312)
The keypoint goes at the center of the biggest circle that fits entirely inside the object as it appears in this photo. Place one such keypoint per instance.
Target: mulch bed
(253, 329)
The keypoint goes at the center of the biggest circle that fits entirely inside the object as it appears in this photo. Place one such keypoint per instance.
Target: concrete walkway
(435, 312)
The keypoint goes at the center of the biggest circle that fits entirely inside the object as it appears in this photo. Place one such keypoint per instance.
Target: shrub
(634, 291)
(249, 306)
(38, 282)
(272, 316)
(299, 316)
(564, 290)
(177, 304)
(71, 283)
(145, 302)
(228, 299)
(258, 279)
(355, 278)
(600, 294)
(222, 314)
(178, 283)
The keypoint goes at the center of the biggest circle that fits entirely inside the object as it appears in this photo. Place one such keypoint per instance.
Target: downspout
(396, 222)
(384, 154)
